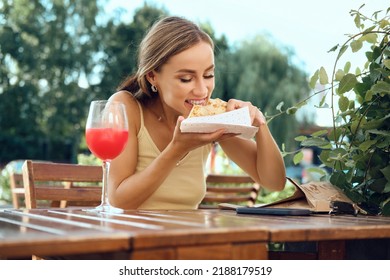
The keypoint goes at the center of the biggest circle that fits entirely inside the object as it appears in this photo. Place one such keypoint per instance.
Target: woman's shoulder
(125, 97)
(128, 99)
(131, 104)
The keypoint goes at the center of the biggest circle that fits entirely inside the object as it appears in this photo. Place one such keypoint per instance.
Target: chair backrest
(17, 189)
(72, 184)
(235, 189)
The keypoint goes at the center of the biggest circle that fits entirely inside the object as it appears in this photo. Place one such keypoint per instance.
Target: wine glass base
(106, 209)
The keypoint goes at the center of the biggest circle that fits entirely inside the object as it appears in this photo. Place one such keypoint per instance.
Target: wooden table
(169, 234)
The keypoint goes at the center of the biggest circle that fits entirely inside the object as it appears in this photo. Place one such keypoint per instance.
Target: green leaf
(300, 138)
(377, 185)
(381, 87)
(386, 62)
(369, 55)
(298, 157)
(318, 170)
(279, 106)
(323, 100)
(338, 179)
(366, 145)
(361, 88)
(368, 96)
(323, 76)
(358, 71)
(387, 188)
(320, 133)
(379, 132)
(347, 67)
(356, 45)
(384, 23)
(337, 154)
(353, 195)
(342, 51)
(350, 163)
(291, 110)
(368, 30)
(354, 126)
(314, 141)
(343, 103)
(339, 75)
(351, 105)
(335, 134)
(373, 125)
(333, 48)
(347, 83)
(376, 51)
(313, 80)
(357, 20)
(386, 172)
(370, 38)
(324, 157)
(327, 146)
(384, 144)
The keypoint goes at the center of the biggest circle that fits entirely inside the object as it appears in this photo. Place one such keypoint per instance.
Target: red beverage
(106, 143)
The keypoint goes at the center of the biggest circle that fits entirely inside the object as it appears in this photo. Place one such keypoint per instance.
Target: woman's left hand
(257, 117)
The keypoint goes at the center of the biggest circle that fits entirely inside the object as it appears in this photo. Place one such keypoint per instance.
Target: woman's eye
(185, 80)
(189, 79)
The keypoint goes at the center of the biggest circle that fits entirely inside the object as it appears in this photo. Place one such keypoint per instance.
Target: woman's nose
(200, 88)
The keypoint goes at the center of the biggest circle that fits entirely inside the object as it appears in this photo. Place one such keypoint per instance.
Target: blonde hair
(166, 38)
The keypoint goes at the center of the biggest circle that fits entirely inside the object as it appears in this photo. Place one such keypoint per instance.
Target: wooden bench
(71, 184)
(237, 189)
(17, 190)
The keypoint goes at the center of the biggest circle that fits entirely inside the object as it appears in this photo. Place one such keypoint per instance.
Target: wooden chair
(17, 189)
(230, 189)
(71, 184)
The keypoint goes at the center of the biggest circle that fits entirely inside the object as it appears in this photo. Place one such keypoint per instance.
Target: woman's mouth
(197, 101)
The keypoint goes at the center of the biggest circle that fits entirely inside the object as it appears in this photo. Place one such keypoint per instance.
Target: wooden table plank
(176, 234)
(324, 227)
(32, 241)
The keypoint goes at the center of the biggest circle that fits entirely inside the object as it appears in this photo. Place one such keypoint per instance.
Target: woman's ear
(151, 77)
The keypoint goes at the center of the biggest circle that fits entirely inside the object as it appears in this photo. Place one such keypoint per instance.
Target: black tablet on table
(273, 211)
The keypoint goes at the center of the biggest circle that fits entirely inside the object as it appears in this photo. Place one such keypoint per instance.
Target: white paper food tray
(236, 121)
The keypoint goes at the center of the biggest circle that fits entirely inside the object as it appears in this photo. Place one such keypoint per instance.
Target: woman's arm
(128, 189)
(261, 159)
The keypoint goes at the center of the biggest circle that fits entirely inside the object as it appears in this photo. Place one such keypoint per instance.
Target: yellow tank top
(185, 186)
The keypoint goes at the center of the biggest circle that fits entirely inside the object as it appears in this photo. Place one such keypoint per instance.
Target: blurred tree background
(56, 56)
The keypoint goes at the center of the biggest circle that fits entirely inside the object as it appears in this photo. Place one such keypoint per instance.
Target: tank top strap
(141, 113)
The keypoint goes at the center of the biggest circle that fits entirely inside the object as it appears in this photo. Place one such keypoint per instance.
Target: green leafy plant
(356, 147)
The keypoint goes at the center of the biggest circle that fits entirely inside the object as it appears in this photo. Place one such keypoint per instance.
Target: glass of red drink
(106, 135)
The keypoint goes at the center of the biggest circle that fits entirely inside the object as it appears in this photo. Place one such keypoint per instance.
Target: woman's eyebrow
(190, 71)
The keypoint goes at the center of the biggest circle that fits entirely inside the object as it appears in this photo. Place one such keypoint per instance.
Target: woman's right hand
(185, 142)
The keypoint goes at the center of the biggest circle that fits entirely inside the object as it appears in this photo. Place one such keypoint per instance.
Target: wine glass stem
(106, 169)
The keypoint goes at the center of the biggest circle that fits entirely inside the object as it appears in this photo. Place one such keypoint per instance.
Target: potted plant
(356, 147)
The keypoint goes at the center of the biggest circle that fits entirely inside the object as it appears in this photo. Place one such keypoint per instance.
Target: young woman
(161, 167)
